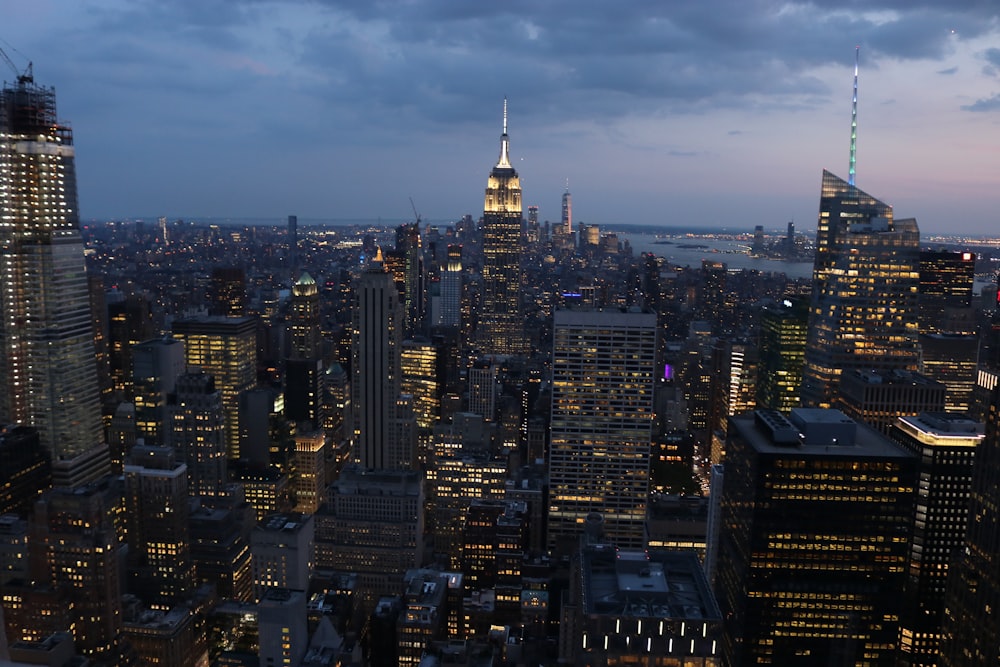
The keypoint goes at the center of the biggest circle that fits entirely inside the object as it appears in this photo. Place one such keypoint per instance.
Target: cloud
(317, 95)
(985, 104)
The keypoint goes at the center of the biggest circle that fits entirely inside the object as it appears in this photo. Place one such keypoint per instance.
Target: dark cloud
(985, 104)
(237, 91)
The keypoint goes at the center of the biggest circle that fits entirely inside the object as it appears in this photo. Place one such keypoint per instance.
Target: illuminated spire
(854, 120)
(504, 161)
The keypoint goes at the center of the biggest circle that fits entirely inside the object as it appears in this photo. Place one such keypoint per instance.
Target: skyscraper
(501, 325)
(73, 547)
(813, 542)
(228, 297)
(946, 283)
(567, 212)
(48, 372)
(293, 240)
(601, 428)
(450, 311)
(408, 247)
(160, 568)
(946, 446)
(225, 348)
(971, 632)
(375, 369)
(156, 365)
(948, 323)
(196, 429)
(782, 346)
(304, 323)
(863, 311)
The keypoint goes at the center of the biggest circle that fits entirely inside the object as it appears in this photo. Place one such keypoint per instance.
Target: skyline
(719, 114)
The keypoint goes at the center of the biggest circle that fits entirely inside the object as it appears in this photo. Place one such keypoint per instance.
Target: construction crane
(27, 76)
(415, 214)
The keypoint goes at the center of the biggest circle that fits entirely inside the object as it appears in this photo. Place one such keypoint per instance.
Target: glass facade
(48, 371)
(863, 311)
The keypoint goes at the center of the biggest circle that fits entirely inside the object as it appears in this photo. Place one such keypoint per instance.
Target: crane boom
(415, 214)
(27, 76)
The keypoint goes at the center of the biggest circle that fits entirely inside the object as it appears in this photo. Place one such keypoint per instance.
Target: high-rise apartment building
(946, 446)
(48, 369)
(501, 324)
(863, 311)
(813, 540)
(226, 349)
(601, 427)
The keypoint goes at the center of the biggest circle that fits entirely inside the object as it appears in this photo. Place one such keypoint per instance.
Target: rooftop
(645, 584)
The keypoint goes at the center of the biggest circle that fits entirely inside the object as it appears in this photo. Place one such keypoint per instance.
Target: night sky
(680, 112)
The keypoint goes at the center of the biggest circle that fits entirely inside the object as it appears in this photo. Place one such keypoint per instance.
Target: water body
(690, 252)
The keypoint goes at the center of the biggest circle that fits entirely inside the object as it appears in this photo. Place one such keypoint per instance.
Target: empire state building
(48, 373)
(501, 322)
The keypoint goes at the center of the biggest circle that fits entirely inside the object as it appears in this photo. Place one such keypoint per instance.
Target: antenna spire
(854, 121)
(504, 161)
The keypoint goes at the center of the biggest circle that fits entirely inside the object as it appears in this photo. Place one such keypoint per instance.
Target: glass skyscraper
(863, 311)
(48, 370)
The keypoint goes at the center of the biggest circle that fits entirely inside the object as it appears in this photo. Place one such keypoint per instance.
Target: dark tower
(293, 240)
(229, 291)
(971, 632)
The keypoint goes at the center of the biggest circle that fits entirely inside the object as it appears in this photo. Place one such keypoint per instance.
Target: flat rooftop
(645, 584)
(820, 433)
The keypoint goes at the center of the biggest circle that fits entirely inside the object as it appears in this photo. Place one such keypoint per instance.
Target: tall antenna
(504, 161)
(854, 120)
